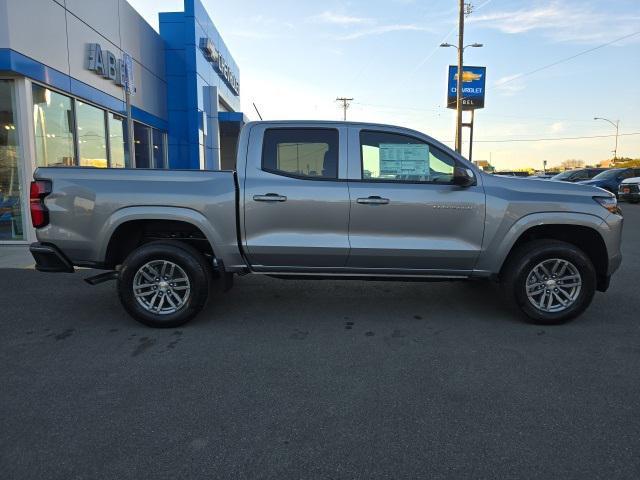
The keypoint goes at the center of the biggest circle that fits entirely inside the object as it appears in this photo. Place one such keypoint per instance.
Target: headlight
(610, 203)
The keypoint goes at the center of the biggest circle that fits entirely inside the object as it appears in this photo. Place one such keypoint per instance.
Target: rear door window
(308, 153)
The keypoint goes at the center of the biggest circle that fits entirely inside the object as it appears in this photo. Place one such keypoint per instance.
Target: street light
(473, 45)
(460, 49)
(616, 124)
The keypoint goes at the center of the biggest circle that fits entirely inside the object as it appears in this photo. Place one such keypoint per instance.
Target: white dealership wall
(56, 33)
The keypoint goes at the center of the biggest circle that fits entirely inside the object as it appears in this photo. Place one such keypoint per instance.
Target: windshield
(607, 174)
(563, 175)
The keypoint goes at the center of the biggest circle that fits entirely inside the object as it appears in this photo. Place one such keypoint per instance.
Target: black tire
(522, 261)
(194, 265)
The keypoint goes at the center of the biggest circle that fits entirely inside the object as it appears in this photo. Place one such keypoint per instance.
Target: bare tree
(572, 163)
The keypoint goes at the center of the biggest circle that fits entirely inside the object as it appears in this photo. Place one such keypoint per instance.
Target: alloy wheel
(161, 287)
(553, 285)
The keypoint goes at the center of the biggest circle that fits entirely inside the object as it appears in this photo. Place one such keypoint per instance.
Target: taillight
(39, 213)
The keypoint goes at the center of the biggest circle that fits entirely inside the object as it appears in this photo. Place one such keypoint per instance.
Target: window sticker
(404, 160)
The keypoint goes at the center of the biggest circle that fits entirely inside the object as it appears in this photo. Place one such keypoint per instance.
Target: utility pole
(345, 104)
(459, 80)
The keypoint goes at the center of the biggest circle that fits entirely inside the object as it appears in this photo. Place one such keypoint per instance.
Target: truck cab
(359, 199)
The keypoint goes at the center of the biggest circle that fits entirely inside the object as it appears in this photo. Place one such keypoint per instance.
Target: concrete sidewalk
(15, 256)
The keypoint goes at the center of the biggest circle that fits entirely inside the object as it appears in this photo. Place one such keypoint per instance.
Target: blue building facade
(63, 67)
(203, 87)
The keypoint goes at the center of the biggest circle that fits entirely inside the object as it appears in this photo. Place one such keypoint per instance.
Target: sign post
(472, 88)
(127, 83)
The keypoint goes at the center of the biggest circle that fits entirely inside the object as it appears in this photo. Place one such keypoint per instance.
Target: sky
(296, 57)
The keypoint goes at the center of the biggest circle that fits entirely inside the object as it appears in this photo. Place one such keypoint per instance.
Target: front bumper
(49, 258)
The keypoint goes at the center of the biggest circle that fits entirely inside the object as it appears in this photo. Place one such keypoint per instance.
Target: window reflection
(117, 141)
(11, 222)
(53, 122)
(92, 142)
(311, 152)
(158, 149)
(141, 142)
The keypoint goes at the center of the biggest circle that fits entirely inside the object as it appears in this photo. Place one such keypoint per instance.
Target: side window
(301, 152)
(391, 157)
(626, 174)
(581, 175)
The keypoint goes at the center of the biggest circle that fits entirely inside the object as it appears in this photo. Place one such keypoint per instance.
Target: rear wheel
(550, 281)
(164, 284)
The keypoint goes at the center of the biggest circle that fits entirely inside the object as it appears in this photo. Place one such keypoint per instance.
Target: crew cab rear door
(407, 216)
(296, 198)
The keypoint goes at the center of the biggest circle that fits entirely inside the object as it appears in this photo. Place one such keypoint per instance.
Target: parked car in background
(611, 179)
(629, 190)
(577, 175)
(509, 173)
(541, 176)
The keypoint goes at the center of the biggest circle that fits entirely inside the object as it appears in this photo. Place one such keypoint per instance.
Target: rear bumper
(49, 258)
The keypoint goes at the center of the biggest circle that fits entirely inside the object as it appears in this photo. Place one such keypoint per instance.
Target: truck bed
(87, 205)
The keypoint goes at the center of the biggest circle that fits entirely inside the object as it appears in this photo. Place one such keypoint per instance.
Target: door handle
(373, 200)
(270, 197)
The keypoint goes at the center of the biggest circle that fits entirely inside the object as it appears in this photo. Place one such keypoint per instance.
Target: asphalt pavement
(319, 379)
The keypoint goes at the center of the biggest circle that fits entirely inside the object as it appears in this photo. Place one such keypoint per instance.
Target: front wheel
(164, 284)
(550, 281)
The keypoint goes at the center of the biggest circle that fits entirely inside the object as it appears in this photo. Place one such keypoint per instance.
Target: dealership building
(74, 72)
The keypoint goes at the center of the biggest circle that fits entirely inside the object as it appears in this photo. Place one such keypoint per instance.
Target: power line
(571, 57)
(554, 139)
(441, 109)
(531, 72)
(446, 37)
(395, 107)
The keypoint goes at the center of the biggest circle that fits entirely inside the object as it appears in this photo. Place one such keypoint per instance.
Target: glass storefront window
(141, 139)
(158, 149)
(11, 221)
(53, 121)
(70, 132)
(92, 142)
(117, 142)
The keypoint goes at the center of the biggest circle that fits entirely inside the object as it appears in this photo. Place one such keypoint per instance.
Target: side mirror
(463, 177)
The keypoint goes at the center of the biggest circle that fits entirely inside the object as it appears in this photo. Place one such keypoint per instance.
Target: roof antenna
(257, 111)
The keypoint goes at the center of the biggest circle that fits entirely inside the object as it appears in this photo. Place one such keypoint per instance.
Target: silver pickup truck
(326, 200)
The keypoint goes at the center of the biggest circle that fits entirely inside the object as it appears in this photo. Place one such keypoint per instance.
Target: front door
(406, 214)
(296, 207)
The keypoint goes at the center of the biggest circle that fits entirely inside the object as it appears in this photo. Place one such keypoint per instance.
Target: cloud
(382, 29)
(368, 26)
(261, 27)
(557, 127)
(561, 22)
(339, 19)
(510, 85)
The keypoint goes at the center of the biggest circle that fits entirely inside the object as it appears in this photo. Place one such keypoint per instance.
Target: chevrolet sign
(213, 55)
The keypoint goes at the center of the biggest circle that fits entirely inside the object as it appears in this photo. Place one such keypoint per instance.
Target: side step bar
(101, 278)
